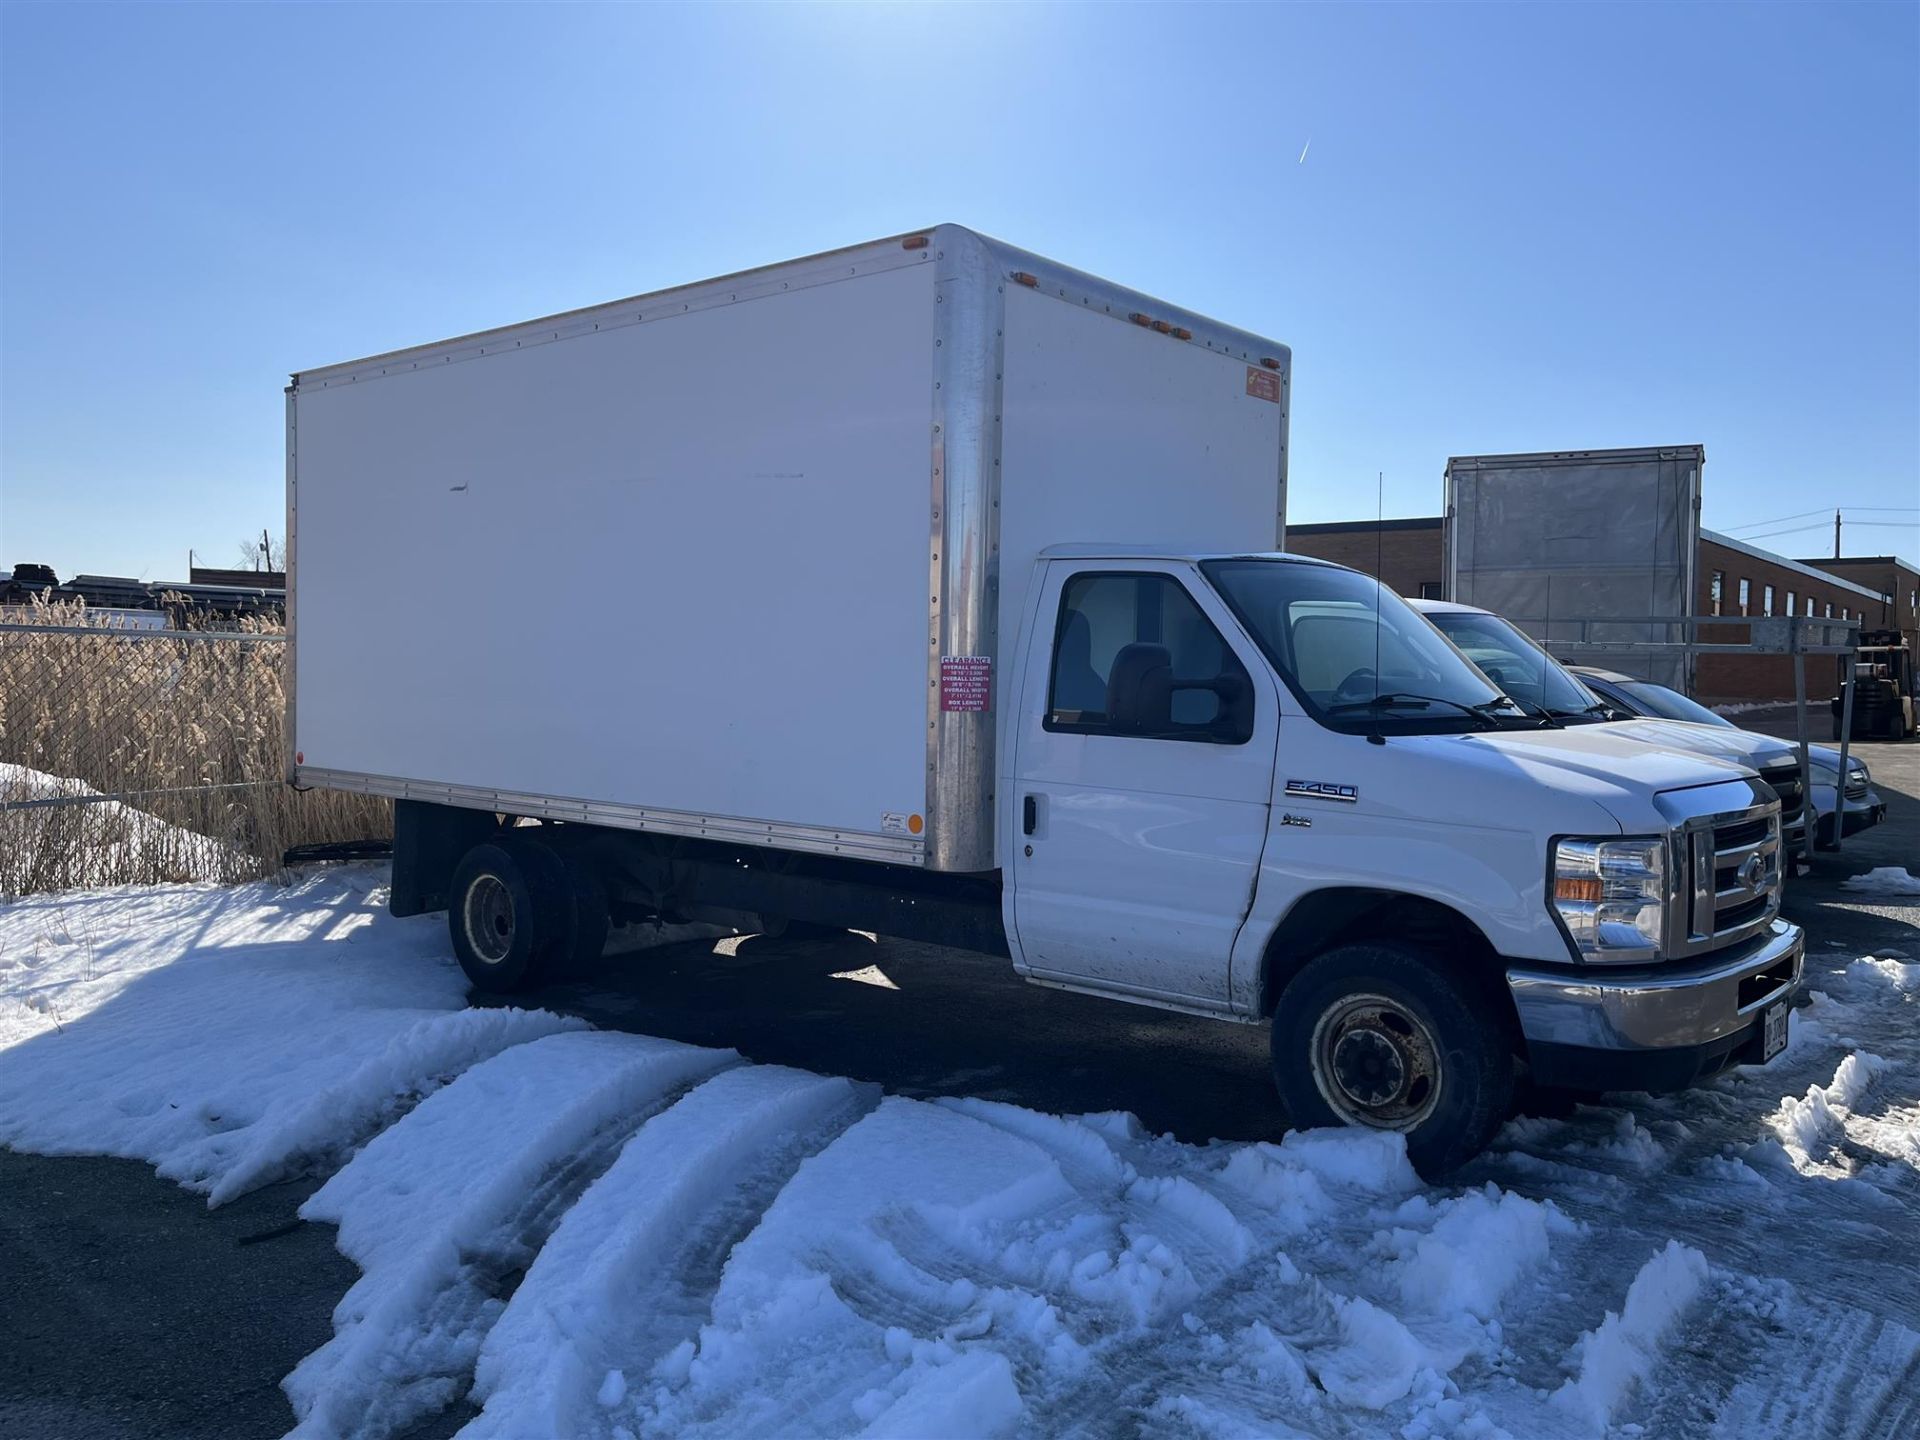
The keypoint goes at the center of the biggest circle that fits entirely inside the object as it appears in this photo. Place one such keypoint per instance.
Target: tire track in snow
(1747, 1167)
(628, 1273)
(525, 1132)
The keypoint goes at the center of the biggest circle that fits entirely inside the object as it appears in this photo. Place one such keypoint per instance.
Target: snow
(115, 831)
(597, 1234)
(1625, 1349)
(1883, 880)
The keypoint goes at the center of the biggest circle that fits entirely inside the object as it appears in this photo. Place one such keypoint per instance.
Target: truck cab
(1261, 786)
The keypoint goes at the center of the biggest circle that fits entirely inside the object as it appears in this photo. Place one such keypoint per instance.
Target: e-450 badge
(1322, 790)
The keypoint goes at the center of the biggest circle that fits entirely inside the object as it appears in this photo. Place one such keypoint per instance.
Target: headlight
(1611, 895)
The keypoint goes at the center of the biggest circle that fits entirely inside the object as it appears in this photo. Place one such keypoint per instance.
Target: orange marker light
(1021, 277)
(915, 824)
(914, 242)
(1579, 887)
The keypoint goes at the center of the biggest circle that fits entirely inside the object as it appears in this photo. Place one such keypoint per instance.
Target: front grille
(1785, 784)
(1733, 864)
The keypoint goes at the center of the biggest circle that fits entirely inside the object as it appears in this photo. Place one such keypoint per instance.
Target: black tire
(1403, 1043)
(501, 912)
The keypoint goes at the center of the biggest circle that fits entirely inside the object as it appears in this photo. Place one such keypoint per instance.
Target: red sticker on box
(966, 682)
(1263, 384)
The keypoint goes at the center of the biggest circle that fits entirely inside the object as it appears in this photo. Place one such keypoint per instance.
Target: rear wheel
(501, 913)
(1387, 1037)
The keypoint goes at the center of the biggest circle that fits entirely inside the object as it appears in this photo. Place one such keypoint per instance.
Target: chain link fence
(136, 756)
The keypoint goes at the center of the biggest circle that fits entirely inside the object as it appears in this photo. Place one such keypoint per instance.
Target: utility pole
(1836, 534)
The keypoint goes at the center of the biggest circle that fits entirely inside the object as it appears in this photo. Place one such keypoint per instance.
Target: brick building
(1407, 554)
(1732, 578)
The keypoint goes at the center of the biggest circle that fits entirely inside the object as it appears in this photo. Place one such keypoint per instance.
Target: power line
(1851, 524)
(1824, 510)
(1758, 524)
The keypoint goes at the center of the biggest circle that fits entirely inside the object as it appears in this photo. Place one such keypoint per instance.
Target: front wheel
(1388, 1037)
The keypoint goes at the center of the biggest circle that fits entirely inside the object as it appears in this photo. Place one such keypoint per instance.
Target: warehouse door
(1144, 766)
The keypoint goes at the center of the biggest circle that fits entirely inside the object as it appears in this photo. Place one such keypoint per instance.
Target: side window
(1133, 655)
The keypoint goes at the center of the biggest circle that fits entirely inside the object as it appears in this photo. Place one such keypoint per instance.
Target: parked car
(1515, 662)
(1863, 806)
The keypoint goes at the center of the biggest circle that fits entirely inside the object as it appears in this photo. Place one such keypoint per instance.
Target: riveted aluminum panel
(1586, 535)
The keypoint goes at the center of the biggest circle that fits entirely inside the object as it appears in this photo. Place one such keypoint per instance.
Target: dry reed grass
(187, 734)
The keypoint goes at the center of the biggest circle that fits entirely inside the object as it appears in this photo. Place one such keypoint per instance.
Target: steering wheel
(1360, 685)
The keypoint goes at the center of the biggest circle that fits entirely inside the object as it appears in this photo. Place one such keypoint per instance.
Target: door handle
(1029, 814)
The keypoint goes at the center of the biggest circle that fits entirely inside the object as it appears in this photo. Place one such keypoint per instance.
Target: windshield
(1354, 653)
(1518, 666)
(1669, 704)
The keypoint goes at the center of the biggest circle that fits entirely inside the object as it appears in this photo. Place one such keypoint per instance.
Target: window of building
(1829, 614)
(1793, 601)
(1139, 641)
(1430, 590)
(1714, 588)
(1809, 604)
(1843, 613)
(1746, 594)
(1766, 600)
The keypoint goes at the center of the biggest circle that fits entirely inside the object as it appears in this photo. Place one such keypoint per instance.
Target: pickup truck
(1545, 687)
(932, 588)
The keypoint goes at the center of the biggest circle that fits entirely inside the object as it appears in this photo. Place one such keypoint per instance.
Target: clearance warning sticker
(966, 682)
(1263, 384)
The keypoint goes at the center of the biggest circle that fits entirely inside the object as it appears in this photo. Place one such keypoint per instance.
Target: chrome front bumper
(1682, 1006)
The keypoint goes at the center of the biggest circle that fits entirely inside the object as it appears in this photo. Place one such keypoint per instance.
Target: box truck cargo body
(929, 588)
(740, 560)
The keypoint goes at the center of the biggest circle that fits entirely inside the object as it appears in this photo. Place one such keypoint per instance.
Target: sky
(1480, 229)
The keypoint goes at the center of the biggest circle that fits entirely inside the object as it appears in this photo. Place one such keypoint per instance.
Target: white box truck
(932, 588)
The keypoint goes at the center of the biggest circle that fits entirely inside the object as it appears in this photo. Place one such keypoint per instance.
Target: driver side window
(1133, 655)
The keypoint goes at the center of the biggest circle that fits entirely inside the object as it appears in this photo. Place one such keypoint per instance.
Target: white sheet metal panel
(1602, 537)
(677, 565)
(1115, 433)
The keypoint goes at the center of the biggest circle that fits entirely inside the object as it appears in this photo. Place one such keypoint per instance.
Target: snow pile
(1883, 880)
(623, 1274)
(1890, 972)
(1623, 1351)
(612, 1236)
(229, 1037)
(459, 1195)
(98, 840)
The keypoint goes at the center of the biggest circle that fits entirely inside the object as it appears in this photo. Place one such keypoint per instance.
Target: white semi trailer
(932, 588)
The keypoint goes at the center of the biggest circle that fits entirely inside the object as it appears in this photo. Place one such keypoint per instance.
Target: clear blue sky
(1515, 229)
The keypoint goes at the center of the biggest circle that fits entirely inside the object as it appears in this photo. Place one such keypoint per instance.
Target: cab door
(1145, 737)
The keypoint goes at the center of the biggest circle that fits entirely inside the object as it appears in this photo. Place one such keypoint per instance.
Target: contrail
(1303, 151)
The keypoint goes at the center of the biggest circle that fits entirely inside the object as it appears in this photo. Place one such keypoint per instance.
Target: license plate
(1775, 1028)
